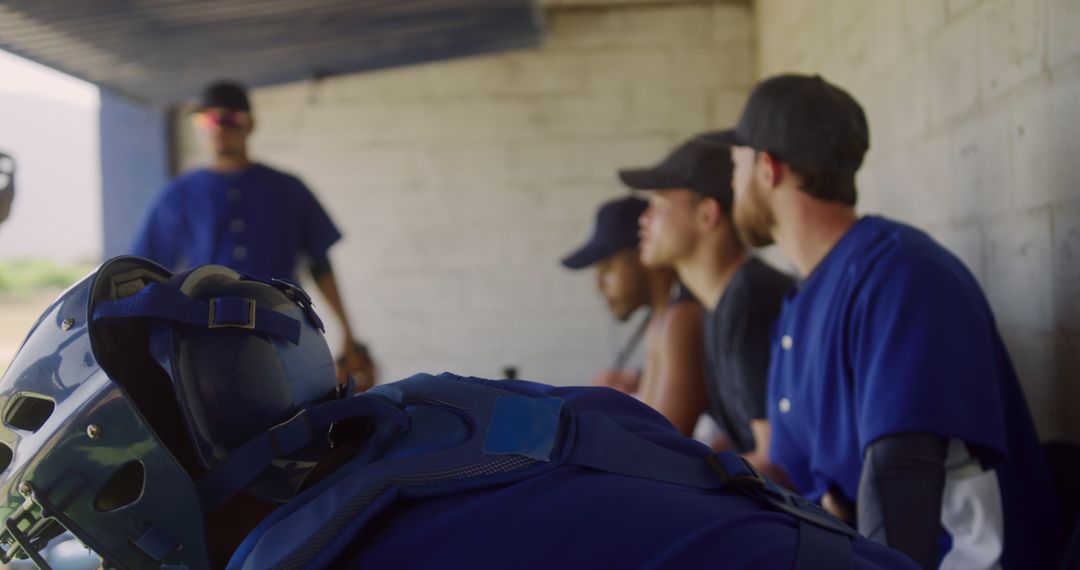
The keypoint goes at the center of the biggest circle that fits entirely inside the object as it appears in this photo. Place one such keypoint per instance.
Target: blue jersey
(257, 221)
(891, 334)
(576, 517)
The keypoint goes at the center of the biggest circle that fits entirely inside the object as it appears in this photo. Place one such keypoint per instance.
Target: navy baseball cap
(700, 165)
(225, 95)
(616, 229)
(804, 121)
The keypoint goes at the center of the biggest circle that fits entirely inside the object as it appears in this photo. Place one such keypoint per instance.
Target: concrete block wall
(459, 185)
(974, 109)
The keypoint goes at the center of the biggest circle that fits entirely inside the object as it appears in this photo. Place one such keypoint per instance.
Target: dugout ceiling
(163, 51)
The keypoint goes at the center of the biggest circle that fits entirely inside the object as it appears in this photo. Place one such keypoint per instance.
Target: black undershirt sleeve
(320, 267)
(900, 494)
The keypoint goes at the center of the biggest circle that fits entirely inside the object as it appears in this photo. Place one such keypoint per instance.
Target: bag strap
(246, 462)
(602, 444)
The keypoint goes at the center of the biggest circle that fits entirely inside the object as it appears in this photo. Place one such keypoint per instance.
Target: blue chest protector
(437, 435)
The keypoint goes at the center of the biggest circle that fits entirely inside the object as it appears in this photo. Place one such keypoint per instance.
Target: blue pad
(523, 426)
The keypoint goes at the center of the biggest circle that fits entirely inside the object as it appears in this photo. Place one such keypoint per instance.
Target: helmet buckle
(231, 312)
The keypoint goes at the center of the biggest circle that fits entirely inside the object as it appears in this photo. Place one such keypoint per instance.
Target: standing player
(247, 216)
(890, 387)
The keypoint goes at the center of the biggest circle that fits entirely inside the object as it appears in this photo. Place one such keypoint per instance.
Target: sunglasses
(213, 119)
(7, 173)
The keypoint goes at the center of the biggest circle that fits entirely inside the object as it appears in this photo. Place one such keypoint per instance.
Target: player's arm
(900, 494)
(319, 234)
(625, 380)
(354, 359)
(680, 382)
(759, 457)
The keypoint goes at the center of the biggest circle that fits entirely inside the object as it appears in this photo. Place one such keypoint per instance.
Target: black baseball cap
(225, 95)
(804, 121)
(703, 166)
(616, 229)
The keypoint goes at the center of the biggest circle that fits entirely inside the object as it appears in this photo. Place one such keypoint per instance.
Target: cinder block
(632, 26)
(1063, 19)
(1019, 269)
(967, 240)
(546, 70)
(1012, 44)
(896, 103)
(872, 35)
(386, 84)
(580, 160)
(619, 69)
(692, 66)
(367, 122)
(588, 113)
(453, 121)
(686, 24)
(665, 110)
(732, 27)
(958, 7)
(463, 165)
(912, 184)
(1045, 141)
(922, 18)
(954, 70)
(981, 156)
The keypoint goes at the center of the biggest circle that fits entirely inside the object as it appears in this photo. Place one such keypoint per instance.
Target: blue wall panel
(135, 165)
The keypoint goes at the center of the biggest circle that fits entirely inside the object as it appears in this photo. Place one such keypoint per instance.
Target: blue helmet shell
(105, 425)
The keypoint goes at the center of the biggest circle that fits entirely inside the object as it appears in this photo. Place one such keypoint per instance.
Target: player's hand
(625, 381)
(355, 361)
(838, 506)
(766, 467)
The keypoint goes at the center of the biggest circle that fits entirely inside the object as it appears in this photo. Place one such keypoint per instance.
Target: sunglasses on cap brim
(221, 118)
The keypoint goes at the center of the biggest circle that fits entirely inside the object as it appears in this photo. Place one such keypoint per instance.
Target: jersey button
(785, 405)
(786, 342)
(234, 194)
(239, 253)
(236, 226)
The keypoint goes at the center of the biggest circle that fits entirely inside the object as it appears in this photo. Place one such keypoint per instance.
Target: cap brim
(589, 254)
(727, 137)
(650, 179)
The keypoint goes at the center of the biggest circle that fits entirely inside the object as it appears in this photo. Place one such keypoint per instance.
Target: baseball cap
(226, 95)
(804, 121)
(616, 228)
(700, 165)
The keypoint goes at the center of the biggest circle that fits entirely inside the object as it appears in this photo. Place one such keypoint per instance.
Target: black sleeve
(900, 494)
(320, 267)
(749, 338)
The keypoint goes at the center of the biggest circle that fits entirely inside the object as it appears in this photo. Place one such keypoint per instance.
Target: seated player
(892, 398)
(672, 381)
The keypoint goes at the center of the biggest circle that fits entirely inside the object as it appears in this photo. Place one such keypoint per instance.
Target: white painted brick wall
(975, 136)
(459, 185)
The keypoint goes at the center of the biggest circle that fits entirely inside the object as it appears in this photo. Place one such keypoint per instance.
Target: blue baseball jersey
(258, 221)
(891, 334)
(576, 517)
